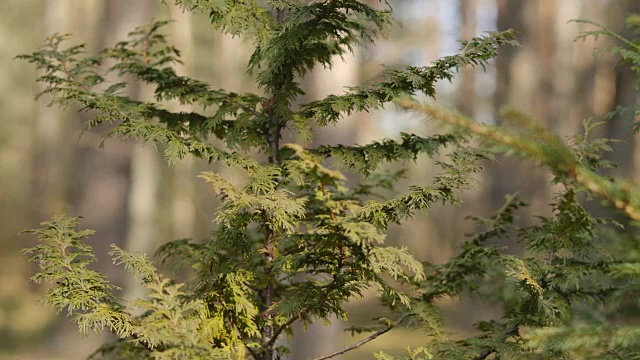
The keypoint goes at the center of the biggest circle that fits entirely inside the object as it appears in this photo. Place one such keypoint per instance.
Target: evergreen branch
(551, 151)
(142, 341)
(512, 331)
(137, 264)
(396, 83)
(63, 260)
(136, 122)
(365, 340)
(603, 30)
(169, 85)
(367, 158)
(542, 285)
(71, 81)
(475, 259)
(600, 339)
(235, 17)
(308, 35)
(455, 177)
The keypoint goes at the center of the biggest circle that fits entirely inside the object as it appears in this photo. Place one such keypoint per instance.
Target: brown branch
(74, 77)
(280, 329)
(363, 341)
(268, 292)
(145, 53)
(324, 193)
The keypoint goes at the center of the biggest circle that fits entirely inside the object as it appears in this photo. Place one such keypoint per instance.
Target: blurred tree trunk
(141, 200)
(559, 91)
(525, 80)
(184, 214)
(143, 208)
(31, 168)
(51, 150)
(52, 162)
(466, 97)
(626, 94)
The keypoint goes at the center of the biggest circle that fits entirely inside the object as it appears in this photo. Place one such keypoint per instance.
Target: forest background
(126, 192)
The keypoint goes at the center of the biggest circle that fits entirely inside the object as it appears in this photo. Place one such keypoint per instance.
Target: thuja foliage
(293, 243)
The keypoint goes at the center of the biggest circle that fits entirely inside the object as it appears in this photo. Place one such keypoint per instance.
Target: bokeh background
(125, 191)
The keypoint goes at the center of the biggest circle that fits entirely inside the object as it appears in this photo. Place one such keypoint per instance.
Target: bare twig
(365, 340)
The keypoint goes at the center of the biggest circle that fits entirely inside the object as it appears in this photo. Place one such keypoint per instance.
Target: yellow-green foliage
(294, 243)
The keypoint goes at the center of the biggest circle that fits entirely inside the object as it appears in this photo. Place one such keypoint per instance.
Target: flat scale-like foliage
(294, 243)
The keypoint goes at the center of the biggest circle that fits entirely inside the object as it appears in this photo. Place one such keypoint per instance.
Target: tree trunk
(626, 95)
(51, 149)
(466, 100)
(525, 81)
(108, 194)
(142, 198)
(184, 214)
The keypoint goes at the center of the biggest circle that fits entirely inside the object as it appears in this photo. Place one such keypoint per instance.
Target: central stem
(267, 294)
